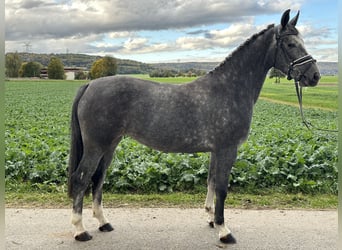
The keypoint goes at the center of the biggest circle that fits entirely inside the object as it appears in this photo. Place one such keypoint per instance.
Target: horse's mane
(242, 46)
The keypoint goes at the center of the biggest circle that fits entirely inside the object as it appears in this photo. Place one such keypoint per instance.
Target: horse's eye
(291, 45)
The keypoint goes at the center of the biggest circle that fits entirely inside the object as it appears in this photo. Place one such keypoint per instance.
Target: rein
(307, 124)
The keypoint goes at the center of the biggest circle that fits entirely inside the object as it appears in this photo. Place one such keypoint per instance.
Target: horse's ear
(285, 18)
(294, 20)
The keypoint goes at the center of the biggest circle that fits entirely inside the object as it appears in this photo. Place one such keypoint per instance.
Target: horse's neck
(248, 65)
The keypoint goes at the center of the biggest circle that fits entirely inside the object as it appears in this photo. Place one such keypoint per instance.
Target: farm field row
(280, 152)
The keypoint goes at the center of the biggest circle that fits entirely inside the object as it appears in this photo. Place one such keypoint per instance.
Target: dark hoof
(211, 224)
(106, 228)
(85, 236)
(228, 239)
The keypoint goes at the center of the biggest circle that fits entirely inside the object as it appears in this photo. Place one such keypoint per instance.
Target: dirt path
(173, 228)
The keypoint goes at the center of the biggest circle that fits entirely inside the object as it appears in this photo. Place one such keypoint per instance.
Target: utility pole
(27, 46)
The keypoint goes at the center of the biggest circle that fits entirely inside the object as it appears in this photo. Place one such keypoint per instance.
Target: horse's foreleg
(209, 201)
(224, 163)
(98, 179)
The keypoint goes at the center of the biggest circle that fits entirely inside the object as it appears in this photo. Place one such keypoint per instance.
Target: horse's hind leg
(98, 179)
(81, 179)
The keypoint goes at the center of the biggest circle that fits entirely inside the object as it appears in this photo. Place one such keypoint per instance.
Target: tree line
(15, 67)
(124, 66)
(106, 66)
(176, 73)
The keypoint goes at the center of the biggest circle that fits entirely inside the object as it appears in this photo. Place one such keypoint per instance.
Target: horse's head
(291, 56)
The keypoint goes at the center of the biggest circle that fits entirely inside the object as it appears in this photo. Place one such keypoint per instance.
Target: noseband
(293, 63)
(299, 62)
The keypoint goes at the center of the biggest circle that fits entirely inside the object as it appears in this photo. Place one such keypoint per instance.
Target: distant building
(68, 71)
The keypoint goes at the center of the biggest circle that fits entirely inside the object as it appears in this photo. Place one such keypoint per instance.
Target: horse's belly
(173, 143)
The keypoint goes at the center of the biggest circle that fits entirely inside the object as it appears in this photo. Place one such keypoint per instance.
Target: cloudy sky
(161, 30)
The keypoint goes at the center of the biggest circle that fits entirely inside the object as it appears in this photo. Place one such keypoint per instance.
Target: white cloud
(193, 43)
(320, 42)
(135, 44)
(62, 19)
(230, 37)
(325, 54)
(115, 26)
(123, 34)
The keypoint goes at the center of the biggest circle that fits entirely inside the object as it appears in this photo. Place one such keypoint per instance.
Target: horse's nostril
(317, 76)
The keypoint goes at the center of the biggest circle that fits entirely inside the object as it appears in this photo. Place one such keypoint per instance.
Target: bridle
(293, 64)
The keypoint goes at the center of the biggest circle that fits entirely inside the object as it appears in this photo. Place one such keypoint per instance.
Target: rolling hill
(135, 67)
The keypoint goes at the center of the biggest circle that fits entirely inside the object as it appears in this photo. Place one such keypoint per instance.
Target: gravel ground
(173, 228)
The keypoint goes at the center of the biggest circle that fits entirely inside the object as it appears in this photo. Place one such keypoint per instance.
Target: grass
(323, 96)
(267, 199)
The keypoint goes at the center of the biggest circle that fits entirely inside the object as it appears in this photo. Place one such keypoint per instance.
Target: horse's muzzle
(304, 81)
(304, 70)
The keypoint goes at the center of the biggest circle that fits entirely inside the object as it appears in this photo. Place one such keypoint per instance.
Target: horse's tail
(76, 145)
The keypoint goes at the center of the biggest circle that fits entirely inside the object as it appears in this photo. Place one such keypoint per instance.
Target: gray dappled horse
(211, 114)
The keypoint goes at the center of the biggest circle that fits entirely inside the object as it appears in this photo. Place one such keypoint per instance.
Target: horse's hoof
(228, 239)
(106, 228)
(85, 236)
(211, 224)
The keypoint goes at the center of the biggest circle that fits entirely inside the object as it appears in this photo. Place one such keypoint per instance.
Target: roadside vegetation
(281, 165)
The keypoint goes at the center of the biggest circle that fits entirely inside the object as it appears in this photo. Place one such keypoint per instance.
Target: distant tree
(30, 69)
(163, 73)
(110, 66)
(12, 64)
(154, 73)
(80, 75)
(106, 66)
(96, 69)
(277, 74)
(55, 69)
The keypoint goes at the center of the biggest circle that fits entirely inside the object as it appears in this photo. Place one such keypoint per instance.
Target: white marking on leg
(209, 205)
(98, 214)
(76, 220)
(223, 230)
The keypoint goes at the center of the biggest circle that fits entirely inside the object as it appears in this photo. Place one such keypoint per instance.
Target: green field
(280, 152)
(324, 95)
